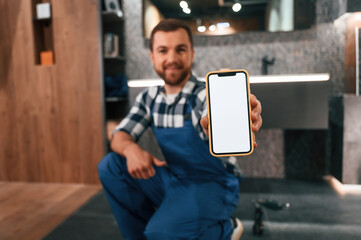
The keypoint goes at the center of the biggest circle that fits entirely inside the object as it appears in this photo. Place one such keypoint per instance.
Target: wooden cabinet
(51, 123)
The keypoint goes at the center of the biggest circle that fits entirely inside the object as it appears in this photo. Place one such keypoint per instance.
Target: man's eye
(162, 51)
(181, 50)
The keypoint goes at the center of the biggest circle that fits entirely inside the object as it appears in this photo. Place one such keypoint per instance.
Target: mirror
(223, 17)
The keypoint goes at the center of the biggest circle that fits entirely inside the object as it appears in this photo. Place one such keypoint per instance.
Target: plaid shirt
(170, 114)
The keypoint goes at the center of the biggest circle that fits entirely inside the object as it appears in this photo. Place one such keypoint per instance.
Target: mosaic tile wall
(317, 50)
(320, 49)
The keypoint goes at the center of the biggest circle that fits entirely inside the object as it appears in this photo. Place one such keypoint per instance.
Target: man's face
(172, 56)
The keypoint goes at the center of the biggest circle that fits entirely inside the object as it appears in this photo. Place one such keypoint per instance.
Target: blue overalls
(192, 197)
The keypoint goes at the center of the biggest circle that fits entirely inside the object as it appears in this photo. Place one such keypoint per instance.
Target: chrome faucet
(265, 63)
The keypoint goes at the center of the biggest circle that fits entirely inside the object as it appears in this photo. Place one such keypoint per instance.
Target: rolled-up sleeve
(138, 119)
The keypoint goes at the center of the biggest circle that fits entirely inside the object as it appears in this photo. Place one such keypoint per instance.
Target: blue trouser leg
(182, 213)
(219, 230)
(132, 201)
(193, 211)
(207, 230)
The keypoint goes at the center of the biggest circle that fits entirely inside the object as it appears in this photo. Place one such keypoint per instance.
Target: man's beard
(172, 80)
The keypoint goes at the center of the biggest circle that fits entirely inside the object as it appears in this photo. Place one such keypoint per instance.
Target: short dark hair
(169, 25)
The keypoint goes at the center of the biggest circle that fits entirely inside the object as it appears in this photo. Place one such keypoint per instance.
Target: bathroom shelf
(42, 20)
(43, 38)
(116, 99)
(111, 17)
(114, 63)
(119, 58)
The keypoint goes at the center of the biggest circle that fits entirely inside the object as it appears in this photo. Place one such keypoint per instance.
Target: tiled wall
(317, 50)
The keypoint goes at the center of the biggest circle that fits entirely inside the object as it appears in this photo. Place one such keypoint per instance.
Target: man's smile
(173, 67)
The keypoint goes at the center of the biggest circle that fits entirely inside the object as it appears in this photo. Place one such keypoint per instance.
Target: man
(192, 194)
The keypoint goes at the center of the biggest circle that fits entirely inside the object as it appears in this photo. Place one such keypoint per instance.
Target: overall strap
(191, 102)
(152, 104)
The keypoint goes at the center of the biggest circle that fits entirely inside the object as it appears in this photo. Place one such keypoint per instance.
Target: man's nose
(172, 56)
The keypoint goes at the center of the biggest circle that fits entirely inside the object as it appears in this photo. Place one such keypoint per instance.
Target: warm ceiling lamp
(236, 7)
(200, 27)
(187, 10)
(212, 28)
(183, 4)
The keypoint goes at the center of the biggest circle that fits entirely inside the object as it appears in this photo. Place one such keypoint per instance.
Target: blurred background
(70, 70)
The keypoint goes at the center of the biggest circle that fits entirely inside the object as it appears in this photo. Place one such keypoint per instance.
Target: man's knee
(151, 235)
(169, 229)
(208, 229)
(159, 232)
(110, 165)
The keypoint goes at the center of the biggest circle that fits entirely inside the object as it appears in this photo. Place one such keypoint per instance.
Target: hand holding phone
(229, 113)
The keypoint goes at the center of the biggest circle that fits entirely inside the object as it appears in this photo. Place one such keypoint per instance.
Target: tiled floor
(316, 212)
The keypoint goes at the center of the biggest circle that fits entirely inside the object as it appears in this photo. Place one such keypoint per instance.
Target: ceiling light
(201, 28)
(222, 25)
(212, 28)
(183, 4)
(187, 10)
(120, 14)
(236, 7)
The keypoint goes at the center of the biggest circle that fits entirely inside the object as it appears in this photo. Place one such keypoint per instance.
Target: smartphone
(229, 113)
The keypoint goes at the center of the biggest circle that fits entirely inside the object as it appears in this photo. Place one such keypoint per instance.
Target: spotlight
(212, 28)
(236, 7)
(183, 4)
(222, 25)
(201, 28)
(187, 10)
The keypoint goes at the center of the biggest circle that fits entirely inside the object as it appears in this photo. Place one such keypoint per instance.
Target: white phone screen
(229, 113)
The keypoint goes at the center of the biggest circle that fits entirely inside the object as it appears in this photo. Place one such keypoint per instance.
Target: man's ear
(192, 55)
(151, 56)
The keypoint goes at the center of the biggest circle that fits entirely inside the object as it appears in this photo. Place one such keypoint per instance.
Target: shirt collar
(187, 88)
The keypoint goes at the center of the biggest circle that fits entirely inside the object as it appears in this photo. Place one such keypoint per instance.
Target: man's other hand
(255, 117)
(140, 163)
(204, 124)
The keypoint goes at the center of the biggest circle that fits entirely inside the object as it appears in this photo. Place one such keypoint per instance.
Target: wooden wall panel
(50, 116)
(354, 21)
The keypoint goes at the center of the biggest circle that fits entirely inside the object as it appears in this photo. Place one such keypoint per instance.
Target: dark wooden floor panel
(31, 210)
